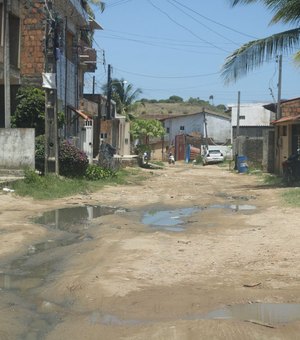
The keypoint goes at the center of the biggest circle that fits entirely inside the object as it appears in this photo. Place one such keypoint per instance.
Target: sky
(178, 47)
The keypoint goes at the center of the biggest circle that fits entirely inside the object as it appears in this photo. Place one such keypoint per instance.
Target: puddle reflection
(267, 313)
(173, 220)
(78, 217)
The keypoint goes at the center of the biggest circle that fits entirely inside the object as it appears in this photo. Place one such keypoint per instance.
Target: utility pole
(237, 134)
(51, 128)
(108, 102)
(278, 108)
(7, 103)
(205, 127)
(94, 82)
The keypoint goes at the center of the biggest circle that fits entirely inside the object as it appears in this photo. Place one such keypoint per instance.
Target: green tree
(254, 53)
(30, 110)
(143, 129)
(175, 99)
(123, 94)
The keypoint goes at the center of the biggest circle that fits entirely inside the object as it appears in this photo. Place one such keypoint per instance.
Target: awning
(288, 119)
(94, 25)
(84, 115)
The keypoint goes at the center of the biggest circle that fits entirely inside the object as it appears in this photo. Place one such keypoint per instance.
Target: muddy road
(191, 253)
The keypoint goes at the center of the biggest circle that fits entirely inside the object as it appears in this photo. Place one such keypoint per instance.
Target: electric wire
(186, 28)
(199, 22)
(215, 22)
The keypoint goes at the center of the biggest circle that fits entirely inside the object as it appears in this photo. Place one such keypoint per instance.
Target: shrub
(72, 161)
(40, 153)
(94, 173)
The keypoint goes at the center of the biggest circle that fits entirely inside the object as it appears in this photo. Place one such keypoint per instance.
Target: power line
(215, 22)
(199, 22)
(186, 28)
(169, 77)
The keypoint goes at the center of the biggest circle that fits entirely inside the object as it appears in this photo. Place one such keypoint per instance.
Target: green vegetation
(52, 187)
(256, 52)
(179, 106)
(292, 197)
(30, 110)
(143, 129)
(72, 161)
(123, 94)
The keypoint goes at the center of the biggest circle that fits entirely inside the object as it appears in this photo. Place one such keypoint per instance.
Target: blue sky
(177, 47)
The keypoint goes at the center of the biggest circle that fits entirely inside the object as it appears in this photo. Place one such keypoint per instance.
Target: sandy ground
(133, 281)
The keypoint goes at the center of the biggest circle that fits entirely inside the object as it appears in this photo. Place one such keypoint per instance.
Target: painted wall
(218, 127)
(17, 148)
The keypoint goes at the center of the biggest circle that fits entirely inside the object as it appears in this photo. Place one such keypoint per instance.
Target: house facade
(287, 130)
(253, 134)
(200, 128)
(47, 44)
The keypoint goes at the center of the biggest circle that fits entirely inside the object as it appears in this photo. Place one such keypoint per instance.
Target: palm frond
(98, 3)
(297, 59)
(285, 11)
(254, 53)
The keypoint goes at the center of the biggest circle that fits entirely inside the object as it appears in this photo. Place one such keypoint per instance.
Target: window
(181, 128)
(103, 135)
(14, 38)
(167, 130)
(284, 131)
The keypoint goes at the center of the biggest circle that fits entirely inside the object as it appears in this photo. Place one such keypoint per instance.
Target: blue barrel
(241, 164)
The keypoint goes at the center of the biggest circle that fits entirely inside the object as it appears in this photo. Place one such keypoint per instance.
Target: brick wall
(32, 42)
(290, 108)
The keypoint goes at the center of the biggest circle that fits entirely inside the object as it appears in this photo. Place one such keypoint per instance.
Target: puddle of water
(233, 207)
(75, 218)
(172, 220)
(266, 313)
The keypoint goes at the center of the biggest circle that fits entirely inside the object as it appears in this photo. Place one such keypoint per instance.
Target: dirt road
(120, 278)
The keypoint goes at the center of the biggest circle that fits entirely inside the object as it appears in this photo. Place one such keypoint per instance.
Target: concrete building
(255, 134)
(198, 129)
(31, 34)
(287, 139)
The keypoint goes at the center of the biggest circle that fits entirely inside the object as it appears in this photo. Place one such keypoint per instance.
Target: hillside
(174, 109)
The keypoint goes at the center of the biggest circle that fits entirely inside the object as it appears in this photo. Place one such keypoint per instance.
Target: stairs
(10, 175)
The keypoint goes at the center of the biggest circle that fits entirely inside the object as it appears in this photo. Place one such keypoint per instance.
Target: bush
(94, 173)
(40, 153)
(72, 161)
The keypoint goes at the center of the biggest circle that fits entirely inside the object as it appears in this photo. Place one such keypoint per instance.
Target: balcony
(87, 57)
(78, 6)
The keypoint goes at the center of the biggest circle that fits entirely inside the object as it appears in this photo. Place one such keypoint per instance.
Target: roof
(82, 114)
(273, 106)
(164, 117)
(286, 119)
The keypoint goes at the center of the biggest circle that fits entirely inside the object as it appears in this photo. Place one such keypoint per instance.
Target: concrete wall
(218, 127)
(17, 148)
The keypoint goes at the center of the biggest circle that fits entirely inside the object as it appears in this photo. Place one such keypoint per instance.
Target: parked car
(213, 156)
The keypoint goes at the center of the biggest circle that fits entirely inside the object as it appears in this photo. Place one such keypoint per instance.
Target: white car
(213, 156)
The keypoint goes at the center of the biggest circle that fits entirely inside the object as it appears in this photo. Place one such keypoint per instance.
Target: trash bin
(242, 165)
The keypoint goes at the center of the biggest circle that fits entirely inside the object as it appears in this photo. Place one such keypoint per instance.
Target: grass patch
(53, 187)
(292, 197)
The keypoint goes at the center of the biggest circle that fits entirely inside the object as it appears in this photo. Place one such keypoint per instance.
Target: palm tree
(98, 3)
(254, 53)
(123, 94)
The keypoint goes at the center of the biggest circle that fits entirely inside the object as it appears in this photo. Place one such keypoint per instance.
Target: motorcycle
(171, 159)
(291, 168)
